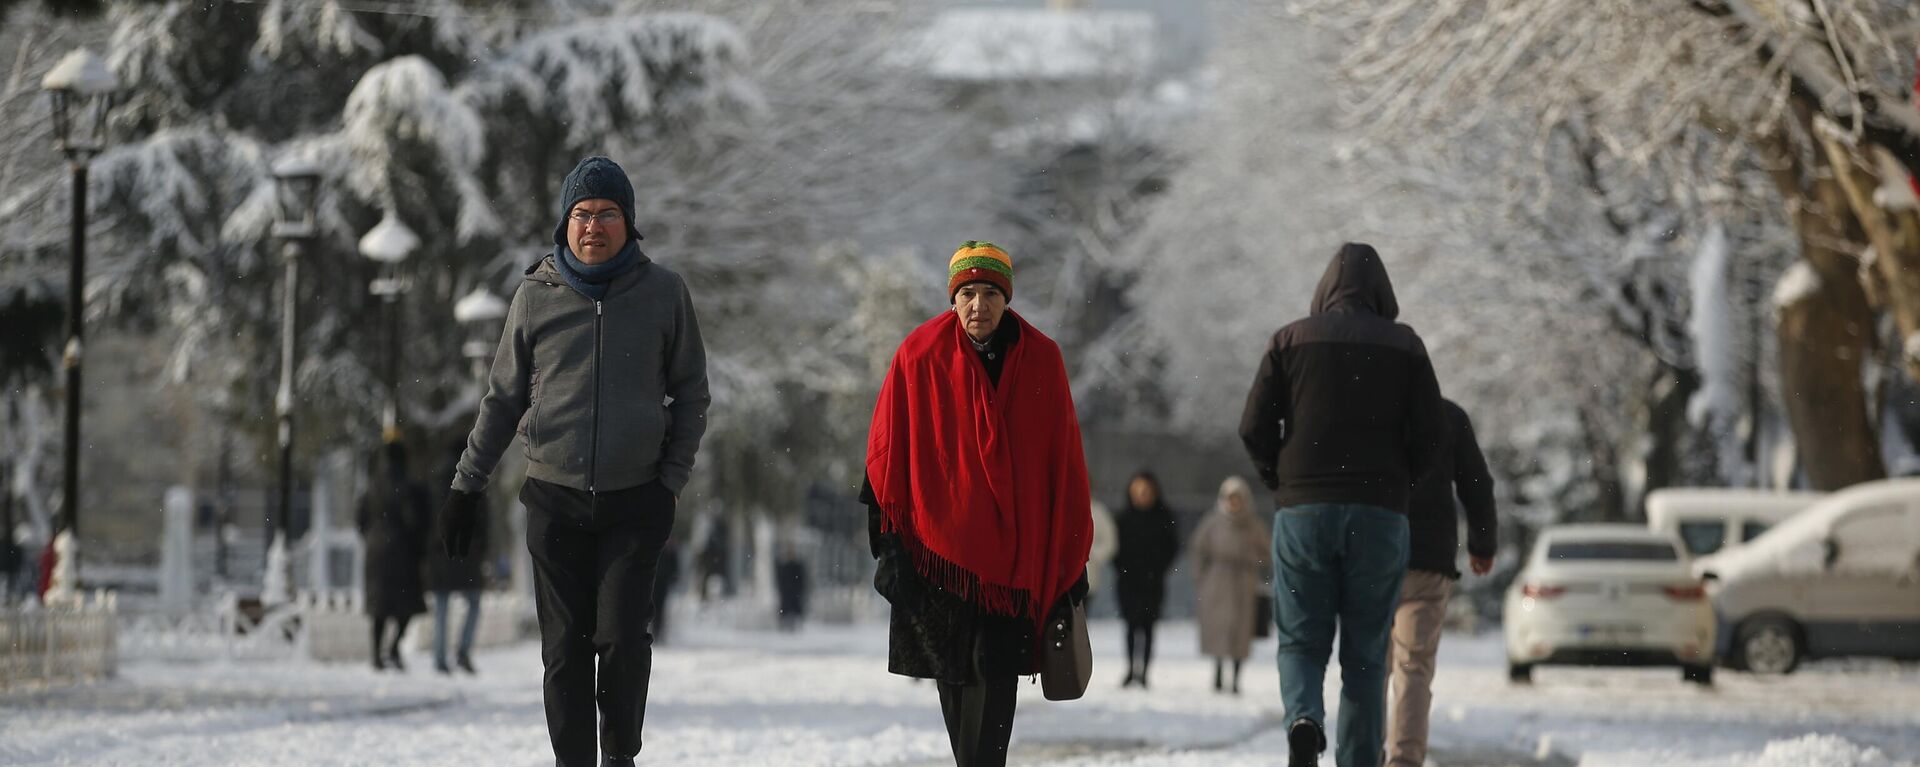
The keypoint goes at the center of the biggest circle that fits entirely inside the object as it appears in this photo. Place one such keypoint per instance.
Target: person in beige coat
(1106, 541)
(1232, 568)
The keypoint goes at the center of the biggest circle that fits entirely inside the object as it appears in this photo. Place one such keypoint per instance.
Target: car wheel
(1701, 675)
(1770, 646)
(1520, 673)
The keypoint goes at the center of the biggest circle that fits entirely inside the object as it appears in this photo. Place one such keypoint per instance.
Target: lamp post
(389, 243)
(478, 310)
(81, 90)
(296, 183)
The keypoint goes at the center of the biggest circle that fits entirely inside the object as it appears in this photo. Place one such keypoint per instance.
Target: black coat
(1345, 408)
(1149, 542)
(1431, 517)
(934, 634)
(393, 520)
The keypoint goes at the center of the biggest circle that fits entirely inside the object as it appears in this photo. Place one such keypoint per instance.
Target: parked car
(1841, 578)
(1708, 520)
(1608, 595)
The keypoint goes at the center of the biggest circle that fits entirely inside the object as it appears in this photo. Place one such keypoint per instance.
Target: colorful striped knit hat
(980, 262)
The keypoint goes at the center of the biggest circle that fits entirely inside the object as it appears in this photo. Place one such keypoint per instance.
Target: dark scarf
(592, 280)
(1001, 521)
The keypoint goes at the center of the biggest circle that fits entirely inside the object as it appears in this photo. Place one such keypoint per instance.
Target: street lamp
(81, 90)
(296, 186)
(479, 310)
(389, 243)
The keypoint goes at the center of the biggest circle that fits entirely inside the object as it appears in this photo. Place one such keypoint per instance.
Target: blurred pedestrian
(1106, 541)
(392, 520)
(448, 577)
(601, 368)
(1149, 542)
(1461, 472)
(976, 491)
(790, 580)
(1342, 419)
(1231, 572)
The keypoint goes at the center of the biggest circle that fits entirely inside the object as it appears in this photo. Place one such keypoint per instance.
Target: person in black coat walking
(392, 520)
(1459, 480)
(447, 577)
(1149, 541)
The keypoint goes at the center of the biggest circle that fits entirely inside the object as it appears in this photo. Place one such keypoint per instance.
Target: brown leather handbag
(1066, 666)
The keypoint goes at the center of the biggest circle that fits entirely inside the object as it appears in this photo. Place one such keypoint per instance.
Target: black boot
(1219, 676)
(466, 664)
(440, 665)
(1305, 741)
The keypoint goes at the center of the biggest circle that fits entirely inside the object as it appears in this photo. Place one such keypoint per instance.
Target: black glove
(459, 520)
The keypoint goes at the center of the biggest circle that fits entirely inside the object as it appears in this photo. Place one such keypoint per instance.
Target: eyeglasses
(604, 218)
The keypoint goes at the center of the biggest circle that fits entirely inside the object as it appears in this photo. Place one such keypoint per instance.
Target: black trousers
(979, 719)
(1139, 649)
(594, 561)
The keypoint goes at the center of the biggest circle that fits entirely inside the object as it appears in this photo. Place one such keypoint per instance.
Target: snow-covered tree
(1690, 99)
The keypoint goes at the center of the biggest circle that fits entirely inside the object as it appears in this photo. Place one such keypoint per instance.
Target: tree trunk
(1825, 324)
(1666, 429)
(1894, 282)
(1822, 346)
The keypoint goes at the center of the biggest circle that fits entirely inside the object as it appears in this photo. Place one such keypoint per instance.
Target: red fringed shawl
(986, 485)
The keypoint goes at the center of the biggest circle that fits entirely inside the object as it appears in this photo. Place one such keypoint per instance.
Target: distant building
(989, 45)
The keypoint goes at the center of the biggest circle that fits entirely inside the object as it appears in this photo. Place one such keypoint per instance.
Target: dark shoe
(466, 664)
(441, 666)
(1305, 741)
(378, 664)
(394, 661)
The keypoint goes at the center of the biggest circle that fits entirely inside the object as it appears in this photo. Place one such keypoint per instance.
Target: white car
(1608, 595)
(1839, 579)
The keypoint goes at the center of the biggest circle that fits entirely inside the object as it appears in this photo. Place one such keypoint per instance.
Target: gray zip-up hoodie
(609, 394)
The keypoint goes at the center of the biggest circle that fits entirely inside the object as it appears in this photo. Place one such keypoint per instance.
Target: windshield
(1631, 551)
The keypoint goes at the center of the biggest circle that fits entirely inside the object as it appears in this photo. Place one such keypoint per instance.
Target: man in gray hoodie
(601, 370)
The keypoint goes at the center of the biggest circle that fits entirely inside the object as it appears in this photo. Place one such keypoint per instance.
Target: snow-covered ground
(822, 697)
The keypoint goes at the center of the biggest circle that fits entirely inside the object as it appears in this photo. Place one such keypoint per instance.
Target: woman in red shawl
(977, 501)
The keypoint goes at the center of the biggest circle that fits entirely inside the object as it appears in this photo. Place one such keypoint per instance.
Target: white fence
(60, 643)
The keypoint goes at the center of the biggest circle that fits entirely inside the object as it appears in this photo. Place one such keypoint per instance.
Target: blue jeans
(1338, 562)
(467, 626)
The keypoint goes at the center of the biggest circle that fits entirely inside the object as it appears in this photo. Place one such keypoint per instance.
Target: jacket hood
(1356, 281)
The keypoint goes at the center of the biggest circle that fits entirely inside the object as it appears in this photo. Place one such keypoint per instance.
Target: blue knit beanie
(595, 178)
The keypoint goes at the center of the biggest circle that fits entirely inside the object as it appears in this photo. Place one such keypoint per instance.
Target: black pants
(1139, 649)
(387, 653)
(594, 561)
(979, 720)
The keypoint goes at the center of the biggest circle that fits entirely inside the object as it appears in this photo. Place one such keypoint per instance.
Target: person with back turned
(1343, 417)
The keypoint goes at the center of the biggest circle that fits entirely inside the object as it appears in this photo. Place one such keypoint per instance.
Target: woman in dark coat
(393, 522)
(977, 502)
(1149, 541)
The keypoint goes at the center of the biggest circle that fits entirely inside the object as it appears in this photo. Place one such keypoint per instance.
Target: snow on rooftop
(999, 44)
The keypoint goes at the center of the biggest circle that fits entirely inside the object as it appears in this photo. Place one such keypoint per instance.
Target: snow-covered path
(823, 698)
